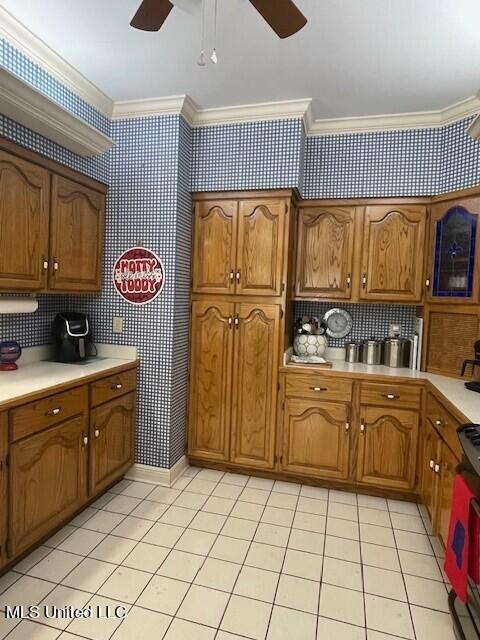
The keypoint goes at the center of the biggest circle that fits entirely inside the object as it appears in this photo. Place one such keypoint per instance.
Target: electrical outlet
(117, 324)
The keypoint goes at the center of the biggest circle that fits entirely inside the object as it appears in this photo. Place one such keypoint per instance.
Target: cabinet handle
(97, 433)
(85, 440)
(390, 396)
(438, 423)
(232, 276)
(115, 387)
(54, 412)
(349, 281)
(432, 464)
(427, 283)
(436, 468)
(362, 427)
(237, 275)
(55, 265)
(45, 263)
(347, 426)
(319, 388)
(237, 321)
(364, 281)
(230, 322)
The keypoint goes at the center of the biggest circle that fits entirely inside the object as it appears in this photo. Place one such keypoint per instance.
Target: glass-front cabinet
(454, 245)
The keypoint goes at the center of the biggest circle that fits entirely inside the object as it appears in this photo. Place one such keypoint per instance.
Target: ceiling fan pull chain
(214, 57)
(202, 61)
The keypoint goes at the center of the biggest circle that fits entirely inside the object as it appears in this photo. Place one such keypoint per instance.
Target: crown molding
(26, 105)
(38, 51)
(171, 105)
(396, 122)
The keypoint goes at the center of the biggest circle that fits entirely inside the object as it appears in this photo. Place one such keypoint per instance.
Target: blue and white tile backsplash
(157, 162)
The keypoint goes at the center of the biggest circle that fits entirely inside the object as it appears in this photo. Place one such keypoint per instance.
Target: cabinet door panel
(48, 474)
(255, 380)
(76, 237)
(430, 457)
(325, 252)
(211, 349)
(214, 246)
(388, 447)
(448, 465)
(3, 488)
(112, 430)
(393, 250)
(24, 210)
(316, 438)
(261, 225)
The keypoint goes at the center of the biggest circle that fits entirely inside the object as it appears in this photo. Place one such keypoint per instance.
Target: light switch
(117, 324)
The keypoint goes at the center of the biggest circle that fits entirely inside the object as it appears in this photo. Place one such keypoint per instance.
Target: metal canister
(372, 351)
(396, 352)
(352, 351)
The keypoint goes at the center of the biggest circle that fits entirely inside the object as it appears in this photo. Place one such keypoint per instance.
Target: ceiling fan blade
(282, 15)
(151, 14)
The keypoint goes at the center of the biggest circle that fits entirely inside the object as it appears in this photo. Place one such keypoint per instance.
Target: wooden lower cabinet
(3, 488)
(387, 451)
(448, 464)
(430, 457)
(47, 481)
(316, 438)
(112, 428)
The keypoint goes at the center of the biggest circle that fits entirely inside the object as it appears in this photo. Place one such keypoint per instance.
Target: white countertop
(453, 389)
(32, 377)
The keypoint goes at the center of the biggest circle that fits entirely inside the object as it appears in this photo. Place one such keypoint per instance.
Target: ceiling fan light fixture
(214, 57)
(202, 59)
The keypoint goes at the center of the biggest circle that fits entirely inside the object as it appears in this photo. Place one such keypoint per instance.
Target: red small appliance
(10, 352)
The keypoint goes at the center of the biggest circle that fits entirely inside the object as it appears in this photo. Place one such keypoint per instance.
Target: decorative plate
(339, 323)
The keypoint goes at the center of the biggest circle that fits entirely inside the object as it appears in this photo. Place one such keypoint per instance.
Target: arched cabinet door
(261, 225)
(393, 253)
(24, 211)
(211, 350)
(325, 252)
(316, 438)
(76, 237)
(255, 381)
(214, 246)
(387, 451)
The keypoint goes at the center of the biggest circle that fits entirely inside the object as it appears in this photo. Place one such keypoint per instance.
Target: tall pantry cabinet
(239, 285)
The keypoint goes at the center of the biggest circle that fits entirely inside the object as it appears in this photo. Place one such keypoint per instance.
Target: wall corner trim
(156, 475)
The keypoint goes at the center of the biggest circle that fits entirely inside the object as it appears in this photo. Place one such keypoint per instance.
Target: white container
(310, 345)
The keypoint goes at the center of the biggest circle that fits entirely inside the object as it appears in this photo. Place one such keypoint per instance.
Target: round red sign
(138, 275)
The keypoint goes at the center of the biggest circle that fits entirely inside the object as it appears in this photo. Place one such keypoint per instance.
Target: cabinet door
(3, 488)
(211, 351)
(316, 438)
(325, 252)
(430, 457)
(393, 252)
(453, 248)
(112, 439)
(24, 210)
(48, 473)
(448, 466)
(214, 246)
(76, 237)
(387, 451)
(255, 381)
(261, 225)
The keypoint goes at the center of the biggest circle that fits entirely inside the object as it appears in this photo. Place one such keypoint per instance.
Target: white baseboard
(157, 475)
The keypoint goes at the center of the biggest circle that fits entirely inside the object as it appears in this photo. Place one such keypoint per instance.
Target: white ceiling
(354, 57)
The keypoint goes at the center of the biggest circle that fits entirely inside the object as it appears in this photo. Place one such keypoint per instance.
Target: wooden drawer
(444, 423)
(39, 415)
(112, 387)
(397, 395)
(318, 386)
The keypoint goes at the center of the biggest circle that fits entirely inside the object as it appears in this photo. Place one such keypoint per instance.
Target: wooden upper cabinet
(316, 438)
(387, 454)
(255, 381)
(261, 225)
(112, 430)
(47, 476)
(3, 488)
(325, 240)
(211, 351)
(24, 213)
(214, 247)
(76, 237)
(453, 250)
(393, 253)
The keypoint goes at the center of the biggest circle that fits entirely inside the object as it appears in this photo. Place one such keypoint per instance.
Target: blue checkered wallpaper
(249, 155)
(460, 157)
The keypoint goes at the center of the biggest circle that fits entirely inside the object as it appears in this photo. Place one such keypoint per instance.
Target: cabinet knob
(347, 426)
(85, 440)
(55, 264)
(230, 321)
(362, 427)
(349, 281)
(432, 464)
(232, 275)
(45, 263)
(364, 281)
(237, 321)
(436, 468)
(97, 433)
(427, 283)
(438, 423)
(54, 412)
(237, 275)
(115, 387)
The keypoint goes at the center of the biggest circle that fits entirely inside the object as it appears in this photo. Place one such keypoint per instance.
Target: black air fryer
(71, 337)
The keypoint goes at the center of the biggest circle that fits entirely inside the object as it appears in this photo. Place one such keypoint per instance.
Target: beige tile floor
(225, 556)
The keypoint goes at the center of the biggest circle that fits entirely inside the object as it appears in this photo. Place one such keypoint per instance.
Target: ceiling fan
(282, 15)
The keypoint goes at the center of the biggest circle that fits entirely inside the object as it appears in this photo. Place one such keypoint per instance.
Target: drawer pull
(432, 464)
(54, 412)
(436, 468)
(390, 396)
(319, 388)
(115, 387)
(438, 423)
(97, 433)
